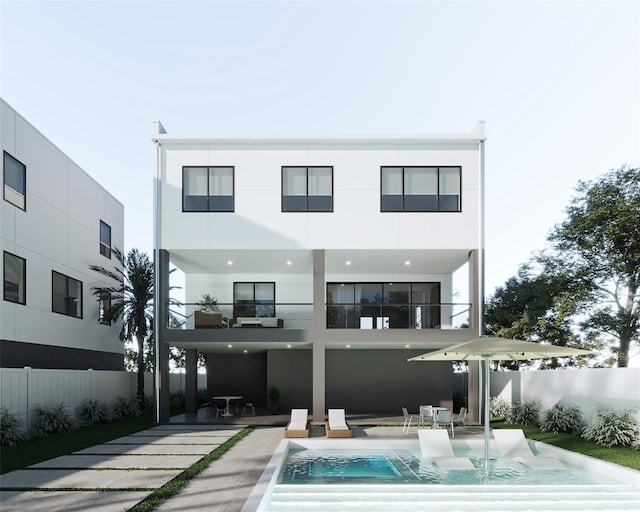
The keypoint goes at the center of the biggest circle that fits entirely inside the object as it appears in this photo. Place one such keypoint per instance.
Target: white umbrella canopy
(493, 348)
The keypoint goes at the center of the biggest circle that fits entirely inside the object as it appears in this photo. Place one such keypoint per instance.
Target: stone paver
(86, 479)
(155, 432)
(64, 501)
(150, 449)
(168, 440)
(119, 462)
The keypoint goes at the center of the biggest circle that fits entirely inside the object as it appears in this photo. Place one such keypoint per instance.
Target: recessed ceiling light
(229, 262)
(348, 262)
(407, 263)
(288, 346)
(245, 351)
(229, 346)
(407, 346)
(288, 262)
(348, 346)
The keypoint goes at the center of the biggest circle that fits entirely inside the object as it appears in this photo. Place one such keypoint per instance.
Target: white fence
(23, 388)
(591, 389)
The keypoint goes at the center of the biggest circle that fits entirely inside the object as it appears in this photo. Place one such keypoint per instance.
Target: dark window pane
(421, 203)
(449, 203)
(14, 174)
(391, 203)
(221, 203)
(368, 293)
(294, 203)
(396, 293)
(195, 203)
(66, 297)
(14, 278)
(320, 203)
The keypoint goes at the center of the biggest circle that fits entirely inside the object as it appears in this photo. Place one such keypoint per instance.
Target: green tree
(131, 301)
(597, 249)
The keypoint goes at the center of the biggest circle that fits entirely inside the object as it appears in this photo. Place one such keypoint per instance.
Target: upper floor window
(15, 278)
(307, 189)
(66, 295)
(15, 181)
(207, 189)
(254, 299)
(104, 305)
(420, 189)
(105, 239)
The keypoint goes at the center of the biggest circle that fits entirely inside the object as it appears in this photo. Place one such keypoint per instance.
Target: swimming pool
(385, 474)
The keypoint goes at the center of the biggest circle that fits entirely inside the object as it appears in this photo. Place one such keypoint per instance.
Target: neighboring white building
(341, 250)
(55, 221)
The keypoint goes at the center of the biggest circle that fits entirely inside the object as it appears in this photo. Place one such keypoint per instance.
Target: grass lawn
(53, 445)
(621, 455)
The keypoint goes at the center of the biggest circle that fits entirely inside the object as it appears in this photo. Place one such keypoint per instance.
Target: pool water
(308, 466)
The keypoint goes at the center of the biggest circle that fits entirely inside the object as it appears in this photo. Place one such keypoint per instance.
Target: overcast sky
(558, 84)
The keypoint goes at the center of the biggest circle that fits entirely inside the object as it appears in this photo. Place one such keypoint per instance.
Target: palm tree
(131, 301)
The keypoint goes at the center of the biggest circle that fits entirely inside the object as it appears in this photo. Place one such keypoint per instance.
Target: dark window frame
(437, 196)
(253, 304)
(104, 304)
(105, 249)
(208, 168)
(80, 300)
(6, 154)
(306, 167)
(4, 278)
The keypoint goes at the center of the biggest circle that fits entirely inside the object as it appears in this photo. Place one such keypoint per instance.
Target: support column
(161, 366)
(191, 382)
(319, 327)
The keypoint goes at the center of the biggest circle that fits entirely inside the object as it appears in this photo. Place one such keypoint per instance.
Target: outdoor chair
(435, 446)
(249, 405)
(220, 407)
(458, 419)
(336, 424)
(512, 443)
(408, 418)
(299, 424)
(444, 418)
(426, 415)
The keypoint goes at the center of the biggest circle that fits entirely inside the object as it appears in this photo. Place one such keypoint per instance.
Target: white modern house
(332, 259)
(55, 221)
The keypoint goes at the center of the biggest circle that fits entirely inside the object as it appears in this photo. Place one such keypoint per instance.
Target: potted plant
(207, 314)
(274, 400)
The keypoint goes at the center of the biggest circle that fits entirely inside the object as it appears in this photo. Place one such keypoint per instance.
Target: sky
(557, 82)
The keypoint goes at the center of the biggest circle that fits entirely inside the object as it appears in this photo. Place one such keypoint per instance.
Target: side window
(254, 299)
(104, 305)
(207, 189)
(307, 189)
(15, 278)
(66, 295)
(15, 181)
(105, 239)
(420, 189)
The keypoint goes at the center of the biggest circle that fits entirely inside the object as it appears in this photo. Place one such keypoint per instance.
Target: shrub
(54, 418)
(94, 411)
(499, 408)
(612, 428)
(525, 413)
(10, 427)
(562, 418)
(125, 408)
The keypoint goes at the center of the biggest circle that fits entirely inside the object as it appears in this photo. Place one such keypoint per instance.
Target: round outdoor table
(227, 398)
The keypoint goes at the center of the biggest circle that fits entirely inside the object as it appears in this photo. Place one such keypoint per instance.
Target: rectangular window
(104, 305)
(254, 299)
(66, 296)
(307, 189)
(15, 181)
(105, 239)
(420, 189)
(15, 278)
(383, 305)
(207, 189)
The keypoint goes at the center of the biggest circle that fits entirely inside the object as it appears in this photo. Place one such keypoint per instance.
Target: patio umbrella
(493, 348)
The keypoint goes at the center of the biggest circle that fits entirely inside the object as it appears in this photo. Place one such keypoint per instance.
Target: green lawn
(53, 445)
(624, 456)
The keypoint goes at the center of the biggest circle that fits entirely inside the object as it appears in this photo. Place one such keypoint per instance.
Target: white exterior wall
(258, 222)
(58, 231)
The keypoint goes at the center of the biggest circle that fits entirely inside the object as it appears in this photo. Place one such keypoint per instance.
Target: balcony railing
(337, 316)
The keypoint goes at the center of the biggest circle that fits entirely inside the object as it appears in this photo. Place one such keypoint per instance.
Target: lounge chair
(336, 425)
(299, 426)
(435, 445)
(512, 443)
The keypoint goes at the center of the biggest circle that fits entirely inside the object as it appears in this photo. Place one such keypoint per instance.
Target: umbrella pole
(486, 410)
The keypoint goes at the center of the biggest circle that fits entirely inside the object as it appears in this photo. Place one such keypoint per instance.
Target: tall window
(15, 181)
(104, 305)
(105, 239)
(254, 299)
(307, 189)
(207, 189)
(15, 278)
(383, 305)
(66, 297)
(420, 189)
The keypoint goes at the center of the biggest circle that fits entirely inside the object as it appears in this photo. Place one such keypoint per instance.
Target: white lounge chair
(336, 425)
(299, 424)
(435, 445)
(512, 443)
